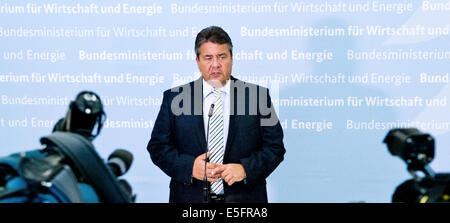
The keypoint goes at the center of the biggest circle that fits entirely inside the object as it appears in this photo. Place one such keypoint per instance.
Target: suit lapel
(233, 118)
(197, 113)
(199, 131)
(231, 131)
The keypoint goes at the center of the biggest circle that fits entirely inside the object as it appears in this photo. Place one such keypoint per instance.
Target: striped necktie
(216, 144)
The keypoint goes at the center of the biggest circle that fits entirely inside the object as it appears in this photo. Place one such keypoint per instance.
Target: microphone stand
(205, 179)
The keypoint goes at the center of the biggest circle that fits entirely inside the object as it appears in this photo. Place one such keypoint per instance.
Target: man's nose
(215, 62)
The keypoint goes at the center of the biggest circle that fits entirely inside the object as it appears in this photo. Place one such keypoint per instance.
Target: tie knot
(216, 92)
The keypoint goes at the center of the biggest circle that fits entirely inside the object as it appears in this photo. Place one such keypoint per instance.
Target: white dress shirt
(208, 99)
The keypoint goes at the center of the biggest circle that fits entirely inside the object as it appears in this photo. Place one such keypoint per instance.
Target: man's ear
(198, 62)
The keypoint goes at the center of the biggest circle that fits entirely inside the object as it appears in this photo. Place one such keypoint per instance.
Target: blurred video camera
(83, 115)
(417, 150)
(67, 169)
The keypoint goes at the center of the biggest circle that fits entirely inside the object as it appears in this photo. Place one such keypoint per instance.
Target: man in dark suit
(227, 122)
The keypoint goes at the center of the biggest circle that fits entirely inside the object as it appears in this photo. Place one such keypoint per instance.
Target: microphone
(119, 162)
(210, 113)
(205, 180)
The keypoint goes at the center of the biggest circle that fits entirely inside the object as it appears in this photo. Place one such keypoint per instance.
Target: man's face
(215, 62)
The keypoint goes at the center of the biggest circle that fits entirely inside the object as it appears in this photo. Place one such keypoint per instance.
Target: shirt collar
(208, 89)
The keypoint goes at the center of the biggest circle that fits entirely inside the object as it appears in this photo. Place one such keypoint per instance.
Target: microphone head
(211, 110)
(122, 156)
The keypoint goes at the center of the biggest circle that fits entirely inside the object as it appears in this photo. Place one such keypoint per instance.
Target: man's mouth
(215, 74)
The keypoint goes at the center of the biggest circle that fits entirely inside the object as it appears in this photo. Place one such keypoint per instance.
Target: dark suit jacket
(177, 139)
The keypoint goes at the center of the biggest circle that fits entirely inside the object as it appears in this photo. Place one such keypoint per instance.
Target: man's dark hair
(213, 34)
